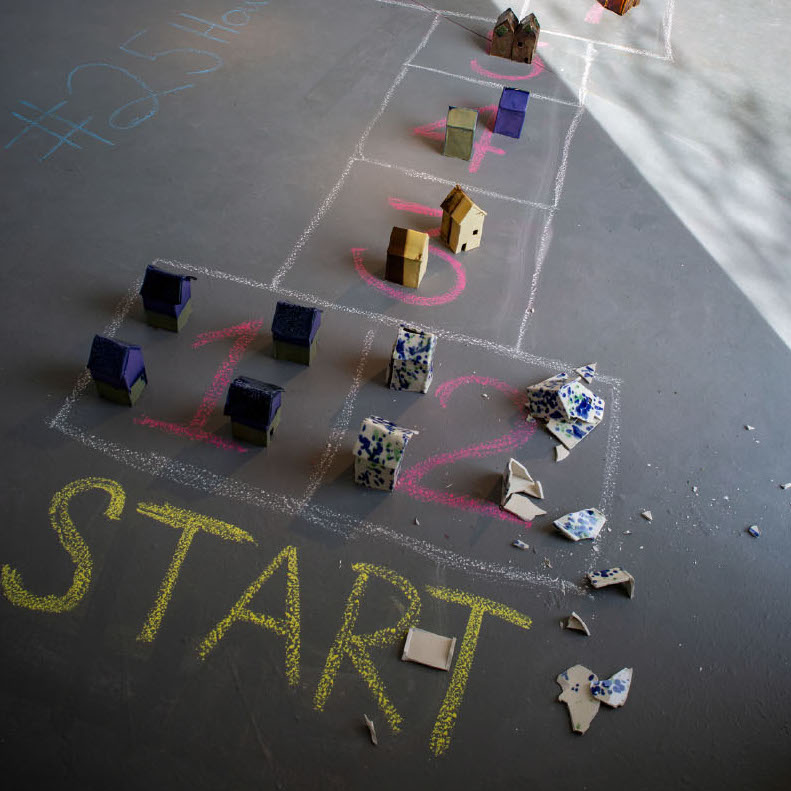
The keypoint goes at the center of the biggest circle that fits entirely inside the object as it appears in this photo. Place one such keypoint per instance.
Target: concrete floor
(641, 221)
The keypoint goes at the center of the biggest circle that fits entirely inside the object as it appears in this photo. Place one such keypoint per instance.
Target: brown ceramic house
(503, 34)
(526, 39)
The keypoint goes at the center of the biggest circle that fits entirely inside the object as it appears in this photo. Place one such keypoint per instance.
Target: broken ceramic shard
(579, 403)
(427, 648)
(561, 452)
(542, 398)
(620, 7)
(583, 706)
(371, 729)
(379, 451)
(613, 576)
(754, 531)
(519, 544)
(785, 485)
(749, 427)
(517, 489)
(570, 433)
(613, 691)
(581, 524)
(575, 622)
(412, 360)
(587, 372)
(647, 515)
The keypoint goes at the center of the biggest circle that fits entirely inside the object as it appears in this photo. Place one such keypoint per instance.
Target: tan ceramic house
(407, 257)
(462, 221)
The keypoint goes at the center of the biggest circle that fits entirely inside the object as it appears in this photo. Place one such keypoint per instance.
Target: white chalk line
(340, 427)
(667, 55)
(419, 174)
(333, 193)
(667, 24)
(490, 84)
(509, 352)
(560, 180)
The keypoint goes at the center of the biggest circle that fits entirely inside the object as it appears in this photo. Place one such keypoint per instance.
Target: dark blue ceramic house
(511, 112)
(167, 298)
(254, 409)
(295, 332)
(118, 370)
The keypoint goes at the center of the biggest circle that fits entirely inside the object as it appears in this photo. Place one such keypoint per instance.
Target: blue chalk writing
(157, 55)
(45, 115)
(151, 96)
(210, 27)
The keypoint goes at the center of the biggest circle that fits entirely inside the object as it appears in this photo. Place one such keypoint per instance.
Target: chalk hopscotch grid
(352, 528)
(666, 28)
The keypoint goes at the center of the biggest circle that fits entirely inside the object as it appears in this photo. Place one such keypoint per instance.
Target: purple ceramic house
(511, 112)
(117, 369)
(167, 298)
(254, 409)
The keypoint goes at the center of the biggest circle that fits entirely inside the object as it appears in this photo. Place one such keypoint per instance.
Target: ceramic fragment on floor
(613, 576)
(581, 524)
(427, 648)
(518, 488)
(587, 372)
(371, 729)
(576, 623)
(613, 691)
(583, 706)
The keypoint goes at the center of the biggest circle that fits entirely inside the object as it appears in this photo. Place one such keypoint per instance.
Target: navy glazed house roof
(295, 324)
(162, 286)
(252, 402)
(108, 359)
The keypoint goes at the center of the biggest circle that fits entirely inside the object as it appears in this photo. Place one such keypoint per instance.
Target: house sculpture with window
(462, 221)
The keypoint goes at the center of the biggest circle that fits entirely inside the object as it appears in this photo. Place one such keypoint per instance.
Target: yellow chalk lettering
(190, 525)
(72, 542)
(357, 646)
(287, 627)
(448, 713)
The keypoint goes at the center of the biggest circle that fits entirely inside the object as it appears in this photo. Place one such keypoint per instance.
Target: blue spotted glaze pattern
(379, 451)
(542, 399)
(579, 403)
(581, 524)
(412, 360)
(613, 691)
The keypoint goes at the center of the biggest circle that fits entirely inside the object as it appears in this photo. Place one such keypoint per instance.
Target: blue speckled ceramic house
(117, 369)
(295, 332)
(511, 112)
(254, 409)
(378, 452)
(167, 298)
(412, 361)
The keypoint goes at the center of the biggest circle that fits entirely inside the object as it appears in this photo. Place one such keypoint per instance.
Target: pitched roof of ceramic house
(163, 286)
(407, 243)
(529, 25)
(295, 324)
(462, 118)
(514, 99)
(414, 345)
(507, 17)
(251, 401)
(382, 441)
(458, 204)
(109, 359)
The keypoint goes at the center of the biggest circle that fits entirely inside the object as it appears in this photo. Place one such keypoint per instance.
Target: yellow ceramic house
(462, 221)
(407, 257)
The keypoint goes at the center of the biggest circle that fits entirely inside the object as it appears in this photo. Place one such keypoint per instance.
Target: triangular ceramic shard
(428, 648)
(613, 576)
(561, 452)
(581, 524)
(542, 398)
(371, 729)
(517, 481)
(587, 372)
(613, 691)
(647, 515)
(575, 622)
(578, 403)
(576, 685)
(569, 432)
(522, 506)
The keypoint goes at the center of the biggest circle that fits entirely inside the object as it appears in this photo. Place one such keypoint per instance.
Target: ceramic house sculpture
(620, 7)
(378, 453)
(412, 360)
(407, 257)
(526, 39)
(167, 298)
(117, 369)
(254, 409)
(462, 221)
(460, 132)
(503, 34)
(511, 112)
(295, 331)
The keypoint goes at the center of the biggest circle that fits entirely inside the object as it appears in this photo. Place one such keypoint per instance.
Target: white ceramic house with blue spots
(378, 452)
(412, 361)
